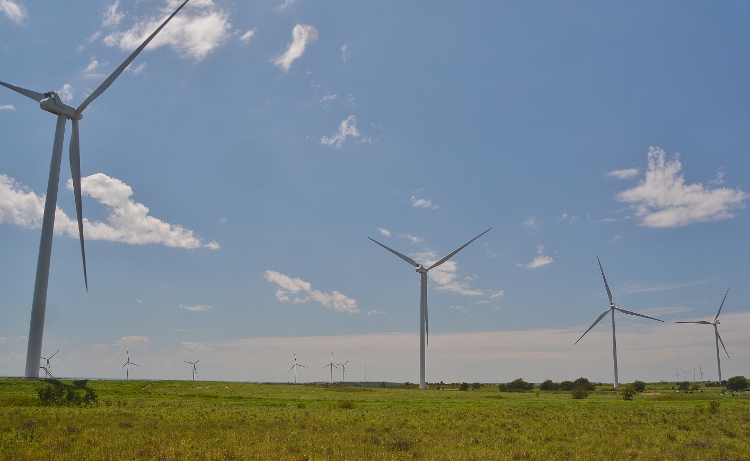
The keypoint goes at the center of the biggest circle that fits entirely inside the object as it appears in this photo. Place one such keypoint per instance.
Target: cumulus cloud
(624, 174)
(385, 232)
(245, 38)
(540, 260)
(302, 292)
(446, 275)
(412, 238)
(13, 10)
(422, 203)
(133, 341)
(347, 128)
(197, 308)
(530, 223)
(301, 35)
(112, 16)
(375, 312)
(127, 221)
(663, 199)
(196, 31)
(345, 53)
(7, 107)
(66, 92)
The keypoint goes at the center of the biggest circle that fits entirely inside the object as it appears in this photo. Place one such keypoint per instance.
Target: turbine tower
(331, 366)
(294, 367)
(715, 323)
(612, 309)
(195, 370)
(127, 364)
(48, 369)
(51, 102)
(343, 371)
(423, 323)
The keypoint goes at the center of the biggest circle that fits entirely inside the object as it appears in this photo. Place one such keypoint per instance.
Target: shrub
(684, 386)
(628, 392)
(567, 386)
(737, 383)
(713, 406)
(549, 385)
(579, 393)
(638, 386)
(517, 385)
(464, 386)
(584, 383)
(63, 395)
(476, 386)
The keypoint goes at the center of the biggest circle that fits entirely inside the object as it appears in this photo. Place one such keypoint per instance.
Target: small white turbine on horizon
(423, 321)
(612, 309)
(195, 369)
(343, 371)
(715, 323)
(294, 367)
(51, 102)
(127, 364)
(331, 366)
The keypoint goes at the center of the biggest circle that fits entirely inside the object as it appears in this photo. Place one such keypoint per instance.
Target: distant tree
(584, 383)
(476, 386)
(639, 386)
(737, 383)
(464, 387)
(517, 385)
(579, 393)
(628, 392)
(684, 386)
(549, 385)
(567, 386)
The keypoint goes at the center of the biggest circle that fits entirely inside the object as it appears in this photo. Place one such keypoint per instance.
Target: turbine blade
(291, 368)
(450, 255)
(199, 359)
(133, 363)
(592, 325)
(722, 305)
(702, 322)
(639, 315)
(404, 257)
(28, 93)
(722, 343)
(50, 357)
(606, 285)
(103, 87)
(75, 171)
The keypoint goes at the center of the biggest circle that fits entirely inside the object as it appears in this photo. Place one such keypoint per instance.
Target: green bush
(629, 392)
(579, 393)
(567, 386)
(737, 383)
(684, 386)
(517, 385)
(584, 383)
(464, 386)
(60, 395)
(639, 386)
(549, 385)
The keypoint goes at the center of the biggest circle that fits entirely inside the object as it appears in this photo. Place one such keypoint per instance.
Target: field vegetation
(186, 420)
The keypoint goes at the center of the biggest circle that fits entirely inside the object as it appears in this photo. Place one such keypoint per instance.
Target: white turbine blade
(50, 357)
(124, 365)
(606, 285)
(404, 257)
(450, 255)
(103, 87)
(291, 368)
(639, 315)
(28, 93)
(133, 363)
(75, 171)
(592, 325)
(702, 322)
(722, 305)
(722, 343)
(199, 359)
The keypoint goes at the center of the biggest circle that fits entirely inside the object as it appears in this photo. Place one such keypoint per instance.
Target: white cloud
(422, 203)
(385, 232)
(7, 107)
(345, 53)
(624, 174)
(664, 200)
(127, 222)
(13, 10)
(348, 127)
(296, 287)
(301, 35)
(133, 341)
(197, 308)
(413, 239)
(196, 31)
(66, 92)
(445, 275)
(245, 38)
(375, 312)
(112, 17)
(286, 4)
(98, 348)
(540, 260)
(530, 223)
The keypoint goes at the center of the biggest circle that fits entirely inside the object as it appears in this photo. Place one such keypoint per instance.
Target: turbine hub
(52, 103)
(421, 269)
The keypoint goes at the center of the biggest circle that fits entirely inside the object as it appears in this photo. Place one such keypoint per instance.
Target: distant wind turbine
(51, 102)
(331, 366)
(423, 323)
(195, 370)
(612, 309)
(48, 369)
(127, 364)
(343, 371)
(715, 323)
(294, 367)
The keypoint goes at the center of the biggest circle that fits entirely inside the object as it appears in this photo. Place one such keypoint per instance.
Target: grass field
(185, 420)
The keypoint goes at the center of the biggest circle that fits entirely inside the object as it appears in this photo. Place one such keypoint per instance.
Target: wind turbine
(343, 371)
(423, 323)
(51, 102)
(612, 309)
(195, 370)
(48, 369)
(332, 366)
(295, 366)
(127, 364)
(716, 331)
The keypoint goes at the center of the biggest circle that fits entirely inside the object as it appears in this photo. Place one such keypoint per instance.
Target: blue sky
(233, 174)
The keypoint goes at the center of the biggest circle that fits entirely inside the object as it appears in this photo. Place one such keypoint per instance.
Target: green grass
(185, 420)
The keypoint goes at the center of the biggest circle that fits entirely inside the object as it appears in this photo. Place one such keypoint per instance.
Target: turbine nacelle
(421, 269)
(52, 103)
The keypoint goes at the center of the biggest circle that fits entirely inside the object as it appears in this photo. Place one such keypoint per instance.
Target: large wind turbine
(195, 370)
(51, 102)
(612, 309)
(48, 369)
(127, 364)
(423, 323)
(331, 366)
(295, 366)
(716, 332)
(343, 371)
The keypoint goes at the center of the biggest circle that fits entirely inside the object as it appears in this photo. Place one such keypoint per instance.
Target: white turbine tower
(195, 370)
(51, 102)
(331, 366)
(612, 309)
(343, 371)
(127, 364)
(423, 321)
(48, 369)
(294, 367)
(715, 323)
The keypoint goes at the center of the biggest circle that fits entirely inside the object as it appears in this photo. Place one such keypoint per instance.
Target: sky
(233, 174)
